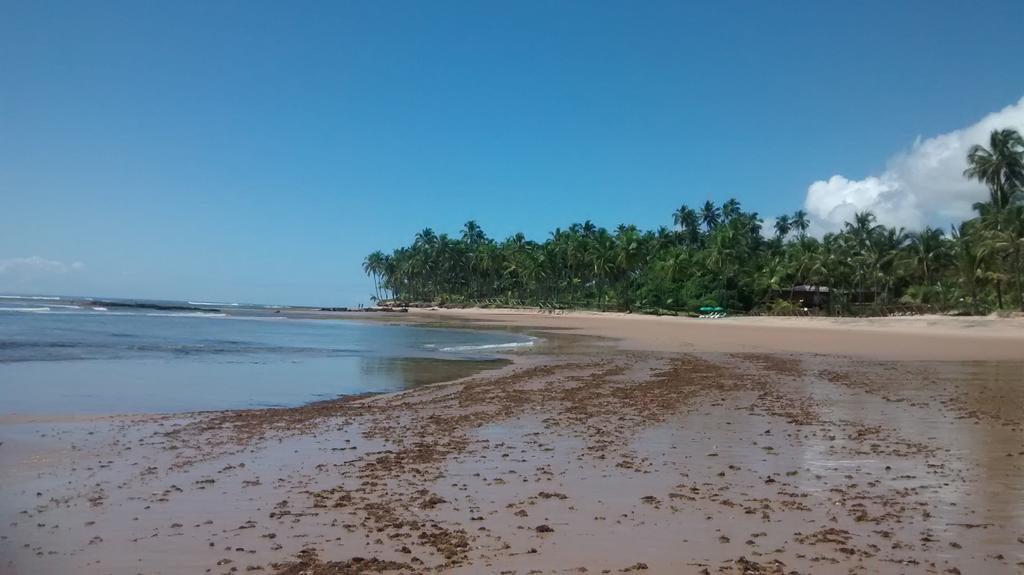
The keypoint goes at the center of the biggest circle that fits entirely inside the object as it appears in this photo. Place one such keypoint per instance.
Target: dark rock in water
(365, 309)
(148, 305)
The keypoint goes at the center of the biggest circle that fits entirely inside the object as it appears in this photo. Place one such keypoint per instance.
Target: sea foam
(509, 345)
(46, 297)
(188, 314)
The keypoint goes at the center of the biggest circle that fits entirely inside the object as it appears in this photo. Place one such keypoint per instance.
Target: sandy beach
(617, 444)
(898, 338)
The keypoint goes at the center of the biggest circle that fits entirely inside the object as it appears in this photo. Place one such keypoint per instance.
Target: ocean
(65, 355)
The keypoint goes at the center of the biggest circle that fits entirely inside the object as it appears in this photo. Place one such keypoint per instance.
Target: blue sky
(256, 151)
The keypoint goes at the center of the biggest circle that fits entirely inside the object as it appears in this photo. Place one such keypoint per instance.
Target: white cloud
(922, 185)
(35, 266)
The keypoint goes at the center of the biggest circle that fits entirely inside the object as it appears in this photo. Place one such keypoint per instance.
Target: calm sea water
(69, 356)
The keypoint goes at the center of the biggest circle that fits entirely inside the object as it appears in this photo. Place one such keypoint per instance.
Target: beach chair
(712, 312)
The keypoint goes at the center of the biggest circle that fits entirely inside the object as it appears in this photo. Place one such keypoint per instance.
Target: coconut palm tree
(889, 244)
(928, 249)
(800, 223)
(782, 226)
(473, 234)
(373, 265)
(862, 228)
(970, 260)
(689, 223)
(730, 209)
(1000, 166)
(710, 215)
(1007, 240)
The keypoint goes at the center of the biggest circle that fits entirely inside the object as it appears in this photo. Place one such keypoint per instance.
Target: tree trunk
(974, 297)
(1020, 290)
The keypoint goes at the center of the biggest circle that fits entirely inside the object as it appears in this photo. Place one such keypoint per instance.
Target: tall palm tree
(782, 226)
(721, 258)
(679, 216)
(689, 223)
(373, 265)
(1007, 240)
(970, 260)
(862, 228)
(800, 223)
(1000, 166)
(710, 215)
(602, 260)
(888, 247)
(730, 209)
(472, 233)
(927, 250)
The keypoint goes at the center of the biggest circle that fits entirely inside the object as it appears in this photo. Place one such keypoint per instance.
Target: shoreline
(621, 444)
(913, 338)
(973, 338)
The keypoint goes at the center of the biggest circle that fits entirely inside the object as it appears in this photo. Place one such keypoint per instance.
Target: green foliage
(717, 256)
(781, 306)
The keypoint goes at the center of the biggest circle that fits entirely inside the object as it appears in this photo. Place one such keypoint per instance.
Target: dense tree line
(720, 255)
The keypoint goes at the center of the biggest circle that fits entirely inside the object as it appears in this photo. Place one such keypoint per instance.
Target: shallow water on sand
(729, 463)
(61, 360)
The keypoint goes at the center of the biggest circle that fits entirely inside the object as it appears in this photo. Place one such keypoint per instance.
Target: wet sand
(676, 447)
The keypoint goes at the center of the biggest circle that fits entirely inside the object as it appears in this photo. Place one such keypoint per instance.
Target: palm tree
(889, 246)
(800, 223)
(969, 259)
(602, 260)
(629, 253)
(806, 265)
(862, 228)
(373, 265)
(927, 250)
(472, 234)
(1014, 238)
(1000, 166)
(1007, 240)
(689, 223)
(721, 257)
(710, 215)
(782, 226)
(730, 209)
(679, 216)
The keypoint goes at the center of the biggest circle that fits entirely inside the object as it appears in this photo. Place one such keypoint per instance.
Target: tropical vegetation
(723, 256)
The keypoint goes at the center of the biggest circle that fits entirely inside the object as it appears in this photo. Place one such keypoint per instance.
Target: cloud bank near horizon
(27, 272)
(921, 186)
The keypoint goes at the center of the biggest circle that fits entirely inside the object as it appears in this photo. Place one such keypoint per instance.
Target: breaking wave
(483, 347)
(45, 297)
(191, 314)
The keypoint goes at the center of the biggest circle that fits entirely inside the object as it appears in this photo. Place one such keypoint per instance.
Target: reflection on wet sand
(592, 459)
(415, 371)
